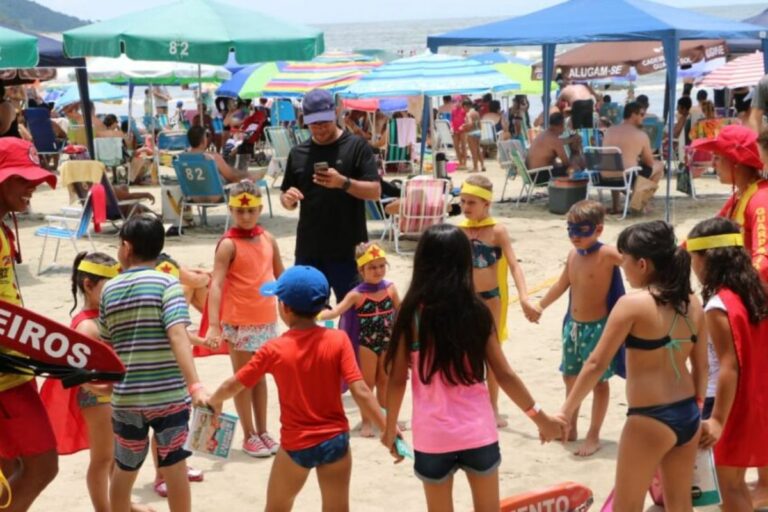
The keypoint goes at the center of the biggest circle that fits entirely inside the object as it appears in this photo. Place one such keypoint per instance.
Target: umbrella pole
(156, 152)
(200, 94)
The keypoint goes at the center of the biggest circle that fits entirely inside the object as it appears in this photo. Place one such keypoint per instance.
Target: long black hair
(730, 267)
(655, 241)
(453, 323)
(79, 277)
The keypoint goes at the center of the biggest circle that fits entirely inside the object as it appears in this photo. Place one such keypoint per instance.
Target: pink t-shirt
(458, 115)
(449, 418)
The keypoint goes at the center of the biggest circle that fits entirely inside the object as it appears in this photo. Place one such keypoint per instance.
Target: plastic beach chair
(605, 167)
(199, 180)
(63, 227)
(423, 203)
(39, 124)
(531, 178)
(279, 140)
(396, 154)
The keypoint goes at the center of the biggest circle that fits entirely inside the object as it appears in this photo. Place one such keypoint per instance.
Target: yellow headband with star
(244, 200)
(99, 269)
(474, 190)
(713, 242)
(167, 267)
(374, 252)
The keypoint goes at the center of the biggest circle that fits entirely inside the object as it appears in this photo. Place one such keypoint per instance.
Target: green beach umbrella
(195, 31)
(17, 50)
(522, 73)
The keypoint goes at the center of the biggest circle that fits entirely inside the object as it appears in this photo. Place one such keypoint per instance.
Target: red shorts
(25, 429)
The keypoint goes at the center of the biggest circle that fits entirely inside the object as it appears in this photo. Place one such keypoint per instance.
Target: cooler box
(564, 193)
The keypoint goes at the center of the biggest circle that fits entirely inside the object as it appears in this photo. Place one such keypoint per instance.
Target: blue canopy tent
(753, 45)
(574, 21)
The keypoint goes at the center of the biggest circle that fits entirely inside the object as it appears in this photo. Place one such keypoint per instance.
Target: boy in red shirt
(307, 363)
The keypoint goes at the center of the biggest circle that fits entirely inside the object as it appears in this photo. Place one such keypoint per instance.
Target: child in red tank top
(246, 257)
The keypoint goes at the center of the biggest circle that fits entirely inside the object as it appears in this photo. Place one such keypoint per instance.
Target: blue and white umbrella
(100, 91)
(430, 74)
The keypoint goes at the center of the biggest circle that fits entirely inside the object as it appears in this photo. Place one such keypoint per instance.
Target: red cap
(19, 158)
(736, 143)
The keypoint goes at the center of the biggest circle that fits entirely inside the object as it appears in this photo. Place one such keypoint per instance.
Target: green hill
(25, 14)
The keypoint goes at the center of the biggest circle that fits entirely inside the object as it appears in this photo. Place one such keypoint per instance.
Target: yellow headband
(167, 267)
(713, 242)
(244, 200)
(374, 252)
(474, 190)
(99, 269)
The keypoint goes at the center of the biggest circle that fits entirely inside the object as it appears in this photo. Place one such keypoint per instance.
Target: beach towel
(99, 204)
(406, 132)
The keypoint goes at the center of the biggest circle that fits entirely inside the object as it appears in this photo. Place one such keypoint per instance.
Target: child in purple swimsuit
(375, 301)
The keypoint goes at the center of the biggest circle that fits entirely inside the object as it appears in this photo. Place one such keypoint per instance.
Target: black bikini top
(671, 344)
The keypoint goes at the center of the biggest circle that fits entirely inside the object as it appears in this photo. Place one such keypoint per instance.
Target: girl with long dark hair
(445, 333)
(659, 326)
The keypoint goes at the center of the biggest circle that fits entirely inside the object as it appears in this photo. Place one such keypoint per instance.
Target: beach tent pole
(200, 93)
(548, 65)
(764, 44)
(425, 115)
(671, 54)
(131, 90)
(85, 101)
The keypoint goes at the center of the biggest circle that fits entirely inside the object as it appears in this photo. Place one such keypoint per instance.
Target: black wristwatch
(347, 183)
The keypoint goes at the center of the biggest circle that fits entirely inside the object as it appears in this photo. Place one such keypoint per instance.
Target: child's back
(306, 365)
(137, 308)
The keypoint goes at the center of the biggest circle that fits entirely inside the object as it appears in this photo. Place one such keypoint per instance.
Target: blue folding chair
(39, 124)
(172, 141)
(62, 227)
(654, 128)
(200, 181)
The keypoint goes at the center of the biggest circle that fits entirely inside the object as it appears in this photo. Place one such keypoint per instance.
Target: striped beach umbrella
(744, 71)
(430, 74)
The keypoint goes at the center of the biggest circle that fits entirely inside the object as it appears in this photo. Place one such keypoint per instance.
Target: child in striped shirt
(143, 315)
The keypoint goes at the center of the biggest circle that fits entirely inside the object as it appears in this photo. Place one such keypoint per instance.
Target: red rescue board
(43, 340)
(562, 497)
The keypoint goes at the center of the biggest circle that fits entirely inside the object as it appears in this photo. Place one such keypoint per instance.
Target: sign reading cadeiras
(49, 342)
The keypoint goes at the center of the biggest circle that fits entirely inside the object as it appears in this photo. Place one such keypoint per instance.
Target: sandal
(160, 488)
(193, 475)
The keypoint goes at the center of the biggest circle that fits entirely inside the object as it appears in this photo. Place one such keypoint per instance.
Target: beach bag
(684, 182)
(643, 193)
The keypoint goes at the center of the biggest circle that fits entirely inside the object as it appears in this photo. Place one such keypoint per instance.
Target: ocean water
(403, 38)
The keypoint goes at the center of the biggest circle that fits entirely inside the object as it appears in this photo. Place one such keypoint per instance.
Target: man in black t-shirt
(331, 175)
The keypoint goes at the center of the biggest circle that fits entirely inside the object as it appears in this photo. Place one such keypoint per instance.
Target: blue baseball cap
(301, 288)
(318, 107)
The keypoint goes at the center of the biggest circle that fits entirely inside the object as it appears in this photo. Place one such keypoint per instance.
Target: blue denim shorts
(435, 468)
(326, 452)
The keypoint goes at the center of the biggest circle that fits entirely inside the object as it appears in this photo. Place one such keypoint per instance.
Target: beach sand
(240, 483)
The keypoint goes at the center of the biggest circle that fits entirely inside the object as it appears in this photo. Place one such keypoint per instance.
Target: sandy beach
(239, 483)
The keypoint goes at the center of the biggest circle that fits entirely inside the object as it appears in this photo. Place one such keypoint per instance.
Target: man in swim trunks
(588, 273)
(28, 456)
(634, 144)
(548, 148)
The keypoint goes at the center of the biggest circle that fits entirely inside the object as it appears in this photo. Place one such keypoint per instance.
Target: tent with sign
(610, 60)
(574, 21)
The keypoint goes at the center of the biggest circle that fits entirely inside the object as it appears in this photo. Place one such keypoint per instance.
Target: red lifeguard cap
(736, 143)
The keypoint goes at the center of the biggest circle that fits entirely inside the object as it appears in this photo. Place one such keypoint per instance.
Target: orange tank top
(242, 304)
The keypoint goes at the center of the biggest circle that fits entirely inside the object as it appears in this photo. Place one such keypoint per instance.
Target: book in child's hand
(209, 436)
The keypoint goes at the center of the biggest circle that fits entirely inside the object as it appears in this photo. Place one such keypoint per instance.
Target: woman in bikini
(490, 246)
(659, 327)
(471, 128)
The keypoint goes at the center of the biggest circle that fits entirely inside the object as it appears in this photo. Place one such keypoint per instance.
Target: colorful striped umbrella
(430, 74)
(745, 71)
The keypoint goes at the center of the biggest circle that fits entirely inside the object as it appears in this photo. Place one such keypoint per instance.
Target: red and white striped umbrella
(744, 71)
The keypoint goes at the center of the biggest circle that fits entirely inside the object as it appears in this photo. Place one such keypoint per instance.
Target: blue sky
(330, 11)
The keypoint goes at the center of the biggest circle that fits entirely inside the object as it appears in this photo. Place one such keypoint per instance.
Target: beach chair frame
(65, 227)
(199, 177)
(423, 203)
(281, 143)
(529, 177)
(606, 163)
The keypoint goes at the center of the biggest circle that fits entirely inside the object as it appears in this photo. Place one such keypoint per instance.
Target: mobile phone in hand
(321, 166)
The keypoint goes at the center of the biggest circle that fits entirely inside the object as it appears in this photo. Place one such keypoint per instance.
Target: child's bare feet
(588, 447)
(573, 433)
(366, 430)
(501, 420)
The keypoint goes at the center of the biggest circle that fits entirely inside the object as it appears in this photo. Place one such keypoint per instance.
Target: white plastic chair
(64, 227)
(605, 167)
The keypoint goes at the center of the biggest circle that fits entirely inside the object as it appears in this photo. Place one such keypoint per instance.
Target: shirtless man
(549, 149)
(589, 274)
(635, 146)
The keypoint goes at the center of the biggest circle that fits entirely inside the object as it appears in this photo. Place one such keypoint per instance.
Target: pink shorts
(25, 429)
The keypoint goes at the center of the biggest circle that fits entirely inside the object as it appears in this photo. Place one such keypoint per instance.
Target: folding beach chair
(697, 162)
(605, 167)
(506, 161)
(613, 112)
(63, 227)
(200, 181)
(109, 151)
(487, 133)
(39, 124)
(76, 135)
(279, 139)
(444, 135)
(532, 178)
(397, 155)
(423, 203)
(654, 128)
